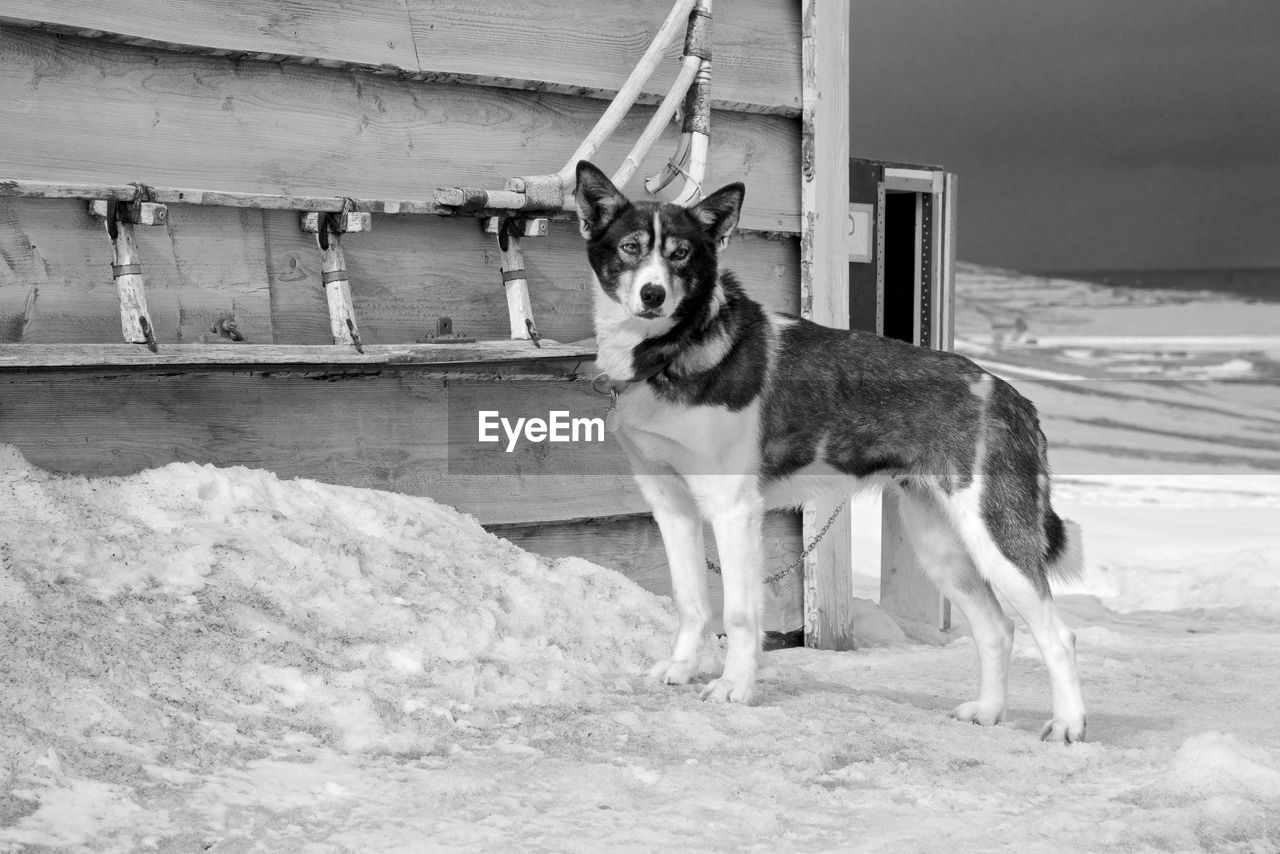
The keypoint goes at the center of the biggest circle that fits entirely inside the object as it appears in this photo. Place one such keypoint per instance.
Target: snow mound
(1220, 788)
(190, 607)
(1215, 763)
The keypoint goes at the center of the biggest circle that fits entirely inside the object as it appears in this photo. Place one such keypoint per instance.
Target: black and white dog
(726, 410)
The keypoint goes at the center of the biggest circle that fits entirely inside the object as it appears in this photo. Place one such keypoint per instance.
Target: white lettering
(512, 435)
(559, 425)
(587, 424)
(488, 424)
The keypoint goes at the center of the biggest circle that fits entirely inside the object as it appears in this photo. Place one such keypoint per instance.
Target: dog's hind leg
(982, 527)
(734, 506)
(944, 558)
(677, 516)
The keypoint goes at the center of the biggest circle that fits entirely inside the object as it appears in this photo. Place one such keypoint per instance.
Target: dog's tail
(1064, 558)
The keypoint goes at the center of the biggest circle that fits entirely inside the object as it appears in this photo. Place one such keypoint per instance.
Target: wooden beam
(28, 189)
(397, 429)
(596, 45)
(267, 129)
(572, 47)
(22, 188)
(375, 33)
(62, 358)
(398, 297)
(824, 164)
(904, 180)
(824, 284)
(260, 268)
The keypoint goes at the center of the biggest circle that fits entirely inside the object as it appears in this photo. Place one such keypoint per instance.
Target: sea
(1255, 283)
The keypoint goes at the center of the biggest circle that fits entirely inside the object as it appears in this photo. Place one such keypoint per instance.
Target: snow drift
(168, 608)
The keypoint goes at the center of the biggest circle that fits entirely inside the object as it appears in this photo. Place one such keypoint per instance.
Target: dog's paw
(672, 672)
(724, 690)
(982, 714)
(1063, 732)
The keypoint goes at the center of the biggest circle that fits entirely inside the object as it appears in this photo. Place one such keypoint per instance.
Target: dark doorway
(901, 251)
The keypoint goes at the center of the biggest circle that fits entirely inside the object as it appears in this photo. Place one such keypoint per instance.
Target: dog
(726, 410)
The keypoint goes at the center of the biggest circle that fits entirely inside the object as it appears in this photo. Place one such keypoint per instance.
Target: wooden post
(126, 266)
(824, 285)
(519, 308)
(329, 229)
(337, 293)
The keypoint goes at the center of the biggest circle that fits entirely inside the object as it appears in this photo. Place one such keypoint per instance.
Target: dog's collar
(605, 384)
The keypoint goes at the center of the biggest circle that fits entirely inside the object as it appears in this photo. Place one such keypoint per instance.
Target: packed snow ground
(215, 659)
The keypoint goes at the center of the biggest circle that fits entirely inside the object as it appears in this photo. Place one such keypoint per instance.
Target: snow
(216, 659)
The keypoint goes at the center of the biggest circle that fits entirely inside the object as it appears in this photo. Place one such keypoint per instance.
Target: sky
(1087, 135)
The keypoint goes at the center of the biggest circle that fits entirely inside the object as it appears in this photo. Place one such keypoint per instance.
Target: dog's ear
(598, 200)
(719, 211)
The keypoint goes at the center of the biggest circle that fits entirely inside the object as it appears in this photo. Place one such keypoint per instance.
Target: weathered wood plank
(824, 286)
(386, 431)
(632, 545)
(552, 358)
(310, 131)
(55, 278)
(409, 271)
(756, 46)
(579, 48)
(370, 33)
(55, 286)
(22, 188)
(28, 189)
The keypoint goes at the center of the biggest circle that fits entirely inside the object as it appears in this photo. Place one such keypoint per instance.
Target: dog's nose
(652, 295)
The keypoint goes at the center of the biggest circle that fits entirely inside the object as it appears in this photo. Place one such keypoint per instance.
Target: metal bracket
(445, 335)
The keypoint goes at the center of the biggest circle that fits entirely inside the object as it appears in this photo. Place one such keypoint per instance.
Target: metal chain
(795, 564)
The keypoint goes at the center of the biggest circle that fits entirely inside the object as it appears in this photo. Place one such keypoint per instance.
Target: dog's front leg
(735, 508)
(677, 516)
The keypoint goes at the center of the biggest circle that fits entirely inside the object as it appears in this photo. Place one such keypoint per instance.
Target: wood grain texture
(409, 271)
(824, 284)
(489, 357)
(386, 431)
(22, 188)
(305, 130)
(55, 286)
(824, 253)
(371, 32)
(577, 47)
(27, 189)
(55, 276)
(756, 45)
(633, 546)
(135, 320)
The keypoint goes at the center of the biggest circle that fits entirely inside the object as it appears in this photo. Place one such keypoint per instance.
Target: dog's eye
(680, 253)
(631, 247)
